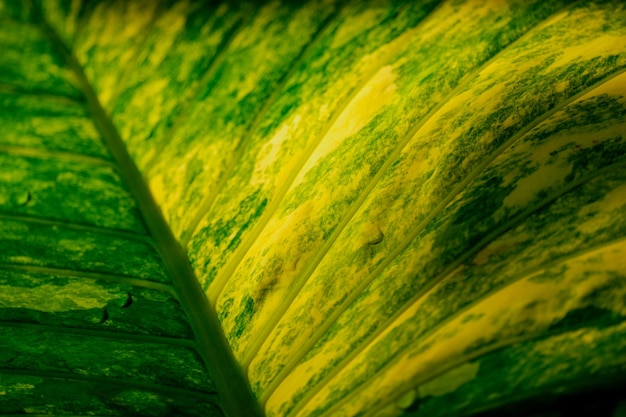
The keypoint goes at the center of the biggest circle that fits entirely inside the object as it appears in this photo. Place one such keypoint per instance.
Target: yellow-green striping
(293, 123)
(109, 42)
(56, 246)
(504, 261)
(30, 349)
(535, 242)
(576, 142)
(363, 140)
(67, 191)
(592, 283)
(538, 371)
(354, 49)
(80, 303)
(404, 206)
(324, 285)
(46, 74)
(48, 124)
(169, 73)
(479, 122)
(190, 167)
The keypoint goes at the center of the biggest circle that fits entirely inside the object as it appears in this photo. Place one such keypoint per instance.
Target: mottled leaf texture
(312, 208)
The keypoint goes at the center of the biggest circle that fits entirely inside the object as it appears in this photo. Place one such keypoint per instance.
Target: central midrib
(234, 391)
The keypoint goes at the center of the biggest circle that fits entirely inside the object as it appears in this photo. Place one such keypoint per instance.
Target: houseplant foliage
(318, 208)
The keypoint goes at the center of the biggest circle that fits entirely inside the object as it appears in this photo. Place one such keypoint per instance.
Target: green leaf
(312, 208)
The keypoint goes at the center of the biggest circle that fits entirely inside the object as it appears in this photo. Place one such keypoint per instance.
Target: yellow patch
(613, 201)
(150, 97)
(74, 296)
(596, 47)
(270, 151)
(172, 23)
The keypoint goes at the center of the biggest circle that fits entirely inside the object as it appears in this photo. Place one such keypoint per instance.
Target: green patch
(589, 316)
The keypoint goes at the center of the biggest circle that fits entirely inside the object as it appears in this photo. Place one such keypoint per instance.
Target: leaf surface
(312, 208)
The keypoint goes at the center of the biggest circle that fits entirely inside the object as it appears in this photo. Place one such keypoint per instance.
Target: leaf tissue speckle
(317, 208)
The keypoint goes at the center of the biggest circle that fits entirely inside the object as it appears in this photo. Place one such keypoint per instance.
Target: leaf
(312, 208)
